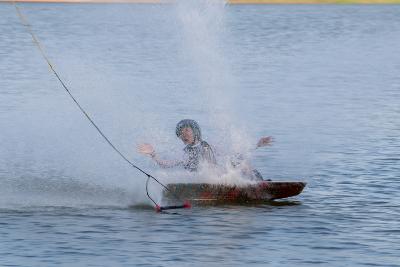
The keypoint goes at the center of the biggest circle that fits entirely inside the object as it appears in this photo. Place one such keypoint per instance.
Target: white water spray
(51, 156)
(204, 36)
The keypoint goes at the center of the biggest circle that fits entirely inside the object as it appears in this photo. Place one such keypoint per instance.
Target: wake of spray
(204, 36)
(67, 167)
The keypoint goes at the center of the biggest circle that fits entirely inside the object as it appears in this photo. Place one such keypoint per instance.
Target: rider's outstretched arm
(165, 163)
(148, 150)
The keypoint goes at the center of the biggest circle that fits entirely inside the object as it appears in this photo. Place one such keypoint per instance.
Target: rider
(196, 149)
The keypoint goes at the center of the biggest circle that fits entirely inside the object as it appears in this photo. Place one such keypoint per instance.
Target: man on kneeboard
(198, 151)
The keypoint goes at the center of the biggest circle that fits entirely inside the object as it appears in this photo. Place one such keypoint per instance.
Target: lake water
(323, 80)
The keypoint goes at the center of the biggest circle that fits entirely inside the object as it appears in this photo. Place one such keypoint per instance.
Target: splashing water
(51, 155)
(204, 33)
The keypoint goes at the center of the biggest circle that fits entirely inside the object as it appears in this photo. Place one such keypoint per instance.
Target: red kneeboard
(203, 193)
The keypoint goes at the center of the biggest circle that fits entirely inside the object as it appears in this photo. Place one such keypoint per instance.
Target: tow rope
(158, 207)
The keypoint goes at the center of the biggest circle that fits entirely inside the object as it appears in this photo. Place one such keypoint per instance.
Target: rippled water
(323, 80)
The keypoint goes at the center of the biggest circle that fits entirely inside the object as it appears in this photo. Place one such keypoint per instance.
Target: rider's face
(187, 135)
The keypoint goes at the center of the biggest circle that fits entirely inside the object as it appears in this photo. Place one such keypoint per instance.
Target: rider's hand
(146, 149)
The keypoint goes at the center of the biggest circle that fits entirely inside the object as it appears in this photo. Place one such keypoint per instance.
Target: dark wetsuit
(194, 154)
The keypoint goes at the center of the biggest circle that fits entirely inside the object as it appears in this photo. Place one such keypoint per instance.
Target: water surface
(323, 80)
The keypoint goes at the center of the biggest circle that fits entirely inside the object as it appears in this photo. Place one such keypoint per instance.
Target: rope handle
(186, 204)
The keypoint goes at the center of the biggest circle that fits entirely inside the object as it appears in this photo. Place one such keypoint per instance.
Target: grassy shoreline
(229, 1)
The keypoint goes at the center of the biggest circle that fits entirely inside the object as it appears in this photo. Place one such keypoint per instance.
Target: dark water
(323, 80)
